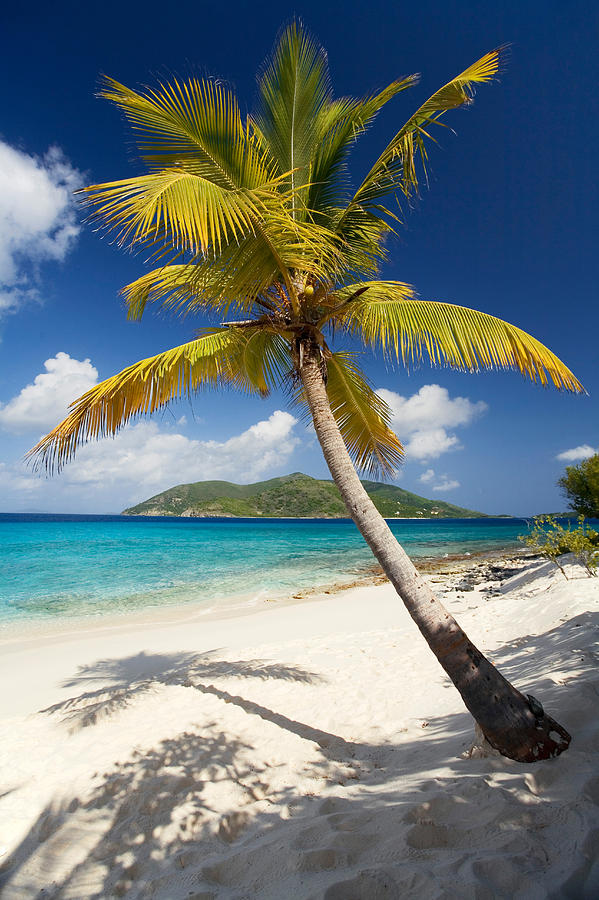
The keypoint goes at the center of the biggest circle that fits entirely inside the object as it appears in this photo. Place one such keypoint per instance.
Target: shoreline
(314, 749)
(120, 515)
(23, 631)
(305, 518)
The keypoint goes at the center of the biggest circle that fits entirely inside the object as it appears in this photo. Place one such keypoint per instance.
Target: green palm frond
(363, 233)
(363, 418)
(408, 328)
(261, 361)
(395, 169)
(194, 125)
(241, 273)
(170, 285)
(302, 127)
(234, 283)
(212, 360)
(342, 123)
(294, 92)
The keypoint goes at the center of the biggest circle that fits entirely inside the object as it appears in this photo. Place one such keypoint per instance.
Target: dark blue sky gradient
(508, 224)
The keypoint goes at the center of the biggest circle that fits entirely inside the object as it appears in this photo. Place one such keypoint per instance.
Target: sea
(55, 568)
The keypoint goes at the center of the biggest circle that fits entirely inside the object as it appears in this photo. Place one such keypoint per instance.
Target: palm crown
(254, 221)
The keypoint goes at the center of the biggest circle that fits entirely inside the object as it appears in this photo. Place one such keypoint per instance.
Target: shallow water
(59, 567)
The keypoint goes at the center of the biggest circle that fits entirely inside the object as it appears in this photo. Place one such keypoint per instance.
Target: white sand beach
(307, 751)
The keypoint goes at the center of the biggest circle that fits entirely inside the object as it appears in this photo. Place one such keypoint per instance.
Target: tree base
(481, 748)
(533, 737)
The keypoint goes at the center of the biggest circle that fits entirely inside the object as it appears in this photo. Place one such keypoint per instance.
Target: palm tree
(255, 220)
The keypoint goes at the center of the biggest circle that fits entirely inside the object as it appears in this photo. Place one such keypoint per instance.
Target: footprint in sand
(450, 820)
(372, 884)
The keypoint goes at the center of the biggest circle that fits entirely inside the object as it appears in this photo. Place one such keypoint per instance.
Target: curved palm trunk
(514, 725)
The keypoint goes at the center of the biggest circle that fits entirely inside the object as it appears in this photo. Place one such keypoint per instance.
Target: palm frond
(262, 361)
(344, 299)
(339, 127)
(395, 169)
(410, 329)
(177, 209)
(293, 91)
(194, 125)
(241, 273)
(171, 286)
(363, 418)
(234, 282)
(211, 360)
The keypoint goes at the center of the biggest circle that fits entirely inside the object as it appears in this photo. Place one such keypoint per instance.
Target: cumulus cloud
(423, 421)
(430, 443)
(38, 221)
(43, 404)
(17, 480)
(444, 483)
(147, 458)
(584, 451)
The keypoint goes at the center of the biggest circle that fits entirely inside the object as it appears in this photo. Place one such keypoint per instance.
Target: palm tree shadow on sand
(157, 804)
(162, 835)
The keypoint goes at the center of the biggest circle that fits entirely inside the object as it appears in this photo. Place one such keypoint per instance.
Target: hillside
(290, 496)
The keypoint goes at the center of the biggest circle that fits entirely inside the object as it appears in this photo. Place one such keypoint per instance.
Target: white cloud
(147, 458)
(17, 480)
(144, 457)
(584, 451)
(430, 443)
(446, 484)
(44, 403)
(422, 420)
(37, 219)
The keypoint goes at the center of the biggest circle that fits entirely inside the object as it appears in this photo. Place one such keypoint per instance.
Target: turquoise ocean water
(65, 567)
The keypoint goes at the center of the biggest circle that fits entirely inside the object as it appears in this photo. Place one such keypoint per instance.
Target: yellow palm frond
(363, 418)
(336, 129)
(211, 360)
(462, 338)
(177, 208)
(194, 125)
(395, 169)
(261, 362)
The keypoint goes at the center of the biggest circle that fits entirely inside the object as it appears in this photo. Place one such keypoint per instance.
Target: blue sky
(508, 226)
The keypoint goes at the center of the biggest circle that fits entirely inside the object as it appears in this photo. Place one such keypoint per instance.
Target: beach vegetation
(554, 539)
(580, 485)
(254, 227)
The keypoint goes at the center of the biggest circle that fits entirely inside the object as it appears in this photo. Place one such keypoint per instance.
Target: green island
(291, 496)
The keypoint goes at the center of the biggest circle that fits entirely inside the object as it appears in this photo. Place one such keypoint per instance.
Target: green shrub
(580, 484)
(550, 538)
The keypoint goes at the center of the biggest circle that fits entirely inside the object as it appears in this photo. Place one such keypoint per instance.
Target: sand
(305, 751)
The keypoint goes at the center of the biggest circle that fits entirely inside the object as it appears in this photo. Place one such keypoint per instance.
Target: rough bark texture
(513, 724)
